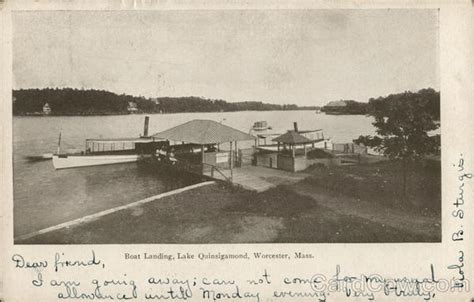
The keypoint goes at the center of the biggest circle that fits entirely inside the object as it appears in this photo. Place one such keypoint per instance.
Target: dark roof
(291, 137)
(203, 132)
(336, 104)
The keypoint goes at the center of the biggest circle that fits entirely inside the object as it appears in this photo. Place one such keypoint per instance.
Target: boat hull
(324, 144)
(45, 156)
(261, 128)
(74, 161)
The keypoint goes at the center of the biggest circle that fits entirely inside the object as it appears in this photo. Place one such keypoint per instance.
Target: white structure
(132, 107)
(46, 109)
(63, 161)
(336, 104)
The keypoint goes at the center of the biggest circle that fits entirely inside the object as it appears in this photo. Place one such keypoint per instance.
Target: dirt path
(411, 222)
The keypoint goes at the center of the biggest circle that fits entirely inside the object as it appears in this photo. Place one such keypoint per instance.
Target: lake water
(44, 197)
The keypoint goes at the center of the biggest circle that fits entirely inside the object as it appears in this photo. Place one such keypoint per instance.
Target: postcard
(237, 151)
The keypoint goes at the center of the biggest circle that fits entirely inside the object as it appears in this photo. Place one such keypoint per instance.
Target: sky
(304, 57)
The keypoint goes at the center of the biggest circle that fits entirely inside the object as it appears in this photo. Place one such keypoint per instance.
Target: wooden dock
(256, 178)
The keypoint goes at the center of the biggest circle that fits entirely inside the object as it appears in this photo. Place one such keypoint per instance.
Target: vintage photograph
(226, 126)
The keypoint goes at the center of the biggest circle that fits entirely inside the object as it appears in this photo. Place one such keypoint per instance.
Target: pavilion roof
(292, 137)
(203, 132)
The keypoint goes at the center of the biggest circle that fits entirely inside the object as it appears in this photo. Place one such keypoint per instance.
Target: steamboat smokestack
(295, 126)
(145, 127)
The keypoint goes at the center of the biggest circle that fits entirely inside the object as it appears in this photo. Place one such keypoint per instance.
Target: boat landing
(257, 178)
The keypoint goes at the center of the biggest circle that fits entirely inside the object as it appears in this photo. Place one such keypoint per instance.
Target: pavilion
(292, 139)
(292, 158)
(207, 136)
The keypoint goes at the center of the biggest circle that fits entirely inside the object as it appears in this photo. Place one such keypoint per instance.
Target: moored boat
(323, 144)
(264, 141)
(44, 156)
(260, 126)
(63, 161)
(109, 151)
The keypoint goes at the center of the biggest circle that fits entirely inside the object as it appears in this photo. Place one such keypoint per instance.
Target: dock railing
(245, 157)
(199, 168)
(350, 148)
(218, 170)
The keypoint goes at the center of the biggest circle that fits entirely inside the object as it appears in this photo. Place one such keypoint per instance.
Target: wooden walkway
(259, 179)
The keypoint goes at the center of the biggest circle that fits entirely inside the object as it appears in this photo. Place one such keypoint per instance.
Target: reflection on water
(44, 197)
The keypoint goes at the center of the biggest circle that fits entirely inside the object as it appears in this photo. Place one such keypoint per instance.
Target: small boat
(63, 161)
(265, 140)
(323, 144)
(42, 157)
(260, 126)
(109, 151)
(334, 113)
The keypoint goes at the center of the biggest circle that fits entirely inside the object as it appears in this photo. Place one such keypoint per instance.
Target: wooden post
(293, 158)
(202, 158)
(145, 126)
(304, 147)
(236, 154)
(230, 162)
(230, 155)
(59, 144)
(278, 147)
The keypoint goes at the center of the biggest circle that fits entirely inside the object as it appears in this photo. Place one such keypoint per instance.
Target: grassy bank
(381, 183)
(341, 204)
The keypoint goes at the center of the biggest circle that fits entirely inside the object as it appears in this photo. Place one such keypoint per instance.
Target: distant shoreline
(167, 113)
(153, 113)
(78, 102)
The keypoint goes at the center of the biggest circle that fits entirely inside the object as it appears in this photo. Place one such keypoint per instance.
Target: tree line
(69, 101)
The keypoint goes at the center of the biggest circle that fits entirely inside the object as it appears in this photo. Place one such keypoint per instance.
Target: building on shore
(132, 107)
(46, 109)
(335, 106)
